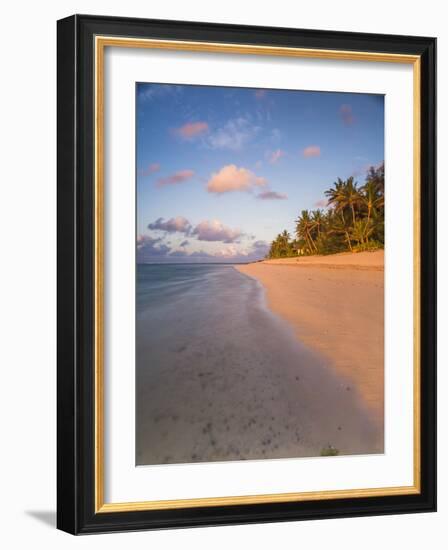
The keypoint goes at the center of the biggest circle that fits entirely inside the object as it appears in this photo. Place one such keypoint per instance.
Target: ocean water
(219, 377)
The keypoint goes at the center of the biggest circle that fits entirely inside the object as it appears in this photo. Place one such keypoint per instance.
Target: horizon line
(195, 263)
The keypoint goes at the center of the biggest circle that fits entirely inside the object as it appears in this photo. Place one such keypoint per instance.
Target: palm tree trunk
(311, 240)
(353, 214)
(308, 244)
(349, 241)
(369, 211)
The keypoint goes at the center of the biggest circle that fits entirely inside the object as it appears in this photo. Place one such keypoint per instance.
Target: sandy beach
(336, 306)
(235, 380)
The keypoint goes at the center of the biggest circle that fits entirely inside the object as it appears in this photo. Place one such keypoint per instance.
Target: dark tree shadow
(48, 517)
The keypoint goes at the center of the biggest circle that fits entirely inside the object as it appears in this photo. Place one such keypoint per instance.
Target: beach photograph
(259, 274)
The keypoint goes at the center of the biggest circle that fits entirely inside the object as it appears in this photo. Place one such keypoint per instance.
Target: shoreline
(335, 305)
(231, 381)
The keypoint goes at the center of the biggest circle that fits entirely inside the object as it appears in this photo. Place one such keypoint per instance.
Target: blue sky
(221, 171)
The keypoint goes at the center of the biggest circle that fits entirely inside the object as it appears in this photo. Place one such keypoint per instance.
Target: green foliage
(368, 247)
(282, 247)
(329, 451)
(330, 243)
(378, 231)
(361, 230)
(353, 221)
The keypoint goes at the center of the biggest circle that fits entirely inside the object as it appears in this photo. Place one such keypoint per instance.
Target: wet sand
(230, 380)
(336, 306)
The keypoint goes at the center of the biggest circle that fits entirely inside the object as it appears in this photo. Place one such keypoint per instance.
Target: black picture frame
(76, 264)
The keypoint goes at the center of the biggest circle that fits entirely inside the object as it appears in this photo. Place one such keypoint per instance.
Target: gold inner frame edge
(101, 42)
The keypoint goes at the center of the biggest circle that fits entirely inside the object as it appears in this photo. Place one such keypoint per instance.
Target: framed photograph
(246, 274)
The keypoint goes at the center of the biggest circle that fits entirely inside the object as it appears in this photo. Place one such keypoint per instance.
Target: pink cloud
(151, 169)
(311, 151)
(215, 230)
(276, 156)
(321, 204)
(271, 195)
(260, 94)
(346, 114)
(178, 177)
(231, 178)
(179, 224)
(192, 129)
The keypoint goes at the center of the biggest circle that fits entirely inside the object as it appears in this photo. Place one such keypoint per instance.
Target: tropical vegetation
(353, 220)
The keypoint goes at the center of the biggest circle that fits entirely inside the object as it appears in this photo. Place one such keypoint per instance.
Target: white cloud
(149, 92)
(234, 135)
(151, 250)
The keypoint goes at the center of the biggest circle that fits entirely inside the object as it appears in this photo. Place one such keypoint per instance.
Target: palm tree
(281, 246)
(336, 195)
(371, 199)
(354, 215)
(351, 196)
(340, 226)
(345, 194)
(377, 176)
(362, 230)
(369, 196)
(318, 218)
(304, 225)
(284, 243)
